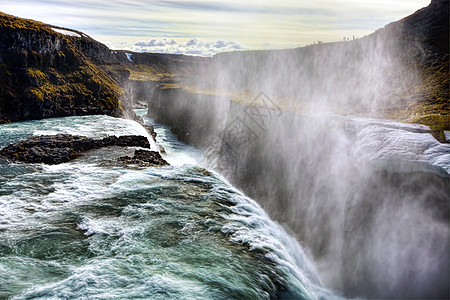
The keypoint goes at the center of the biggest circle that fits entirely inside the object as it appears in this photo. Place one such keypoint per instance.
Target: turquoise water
(92, 229)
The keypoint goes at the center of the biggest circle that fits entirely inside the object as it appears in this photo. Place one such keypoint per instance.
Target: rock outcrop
(45, 73)
(60, 148)
(144, 158)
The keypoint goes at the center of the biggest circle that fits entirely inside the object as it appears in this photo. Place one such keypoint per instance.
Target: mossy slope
(44, 73)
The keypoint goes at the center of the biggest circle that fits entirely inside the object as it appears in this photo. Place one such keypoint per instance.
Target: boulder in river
(60, 148)
(145, 158)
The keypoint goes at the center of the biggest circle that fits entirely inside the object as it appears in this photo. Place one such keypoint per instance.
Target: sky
(201, 27)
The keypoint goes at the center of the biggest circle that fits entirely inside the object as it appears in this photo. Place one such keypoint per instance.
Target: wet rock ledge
(60, 148)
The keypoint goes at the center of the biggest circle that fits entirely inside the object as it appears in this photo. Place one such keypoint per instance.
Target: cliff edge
(47, 71)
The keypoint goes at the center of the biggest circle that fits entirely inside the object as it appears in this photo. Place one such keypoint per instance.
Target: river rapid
(93, 229)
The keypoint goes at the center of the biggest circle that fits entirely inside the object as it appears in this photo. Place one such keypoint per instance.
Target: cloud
(282, 23)
(192, 42)
(191, 47)
(156, 43)
(244, 7)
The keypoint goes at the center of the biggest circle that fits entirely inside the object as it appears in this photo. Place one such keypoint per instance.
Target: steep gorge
(291, 128)
(318, 136)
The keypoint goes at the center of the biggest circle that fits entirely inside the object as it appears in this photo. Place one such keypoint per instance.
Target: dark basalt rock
(44, 73)
(145, 158)
(151, 130)
(56, 149)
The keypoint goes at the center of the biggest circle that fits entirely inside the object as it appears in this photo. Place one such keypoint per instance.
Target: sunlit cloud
(191, 47)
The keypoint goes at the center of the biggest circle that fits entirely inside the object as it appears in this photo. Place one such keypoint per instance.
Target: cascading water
(308, 133)
(92, 230)
(370, 198)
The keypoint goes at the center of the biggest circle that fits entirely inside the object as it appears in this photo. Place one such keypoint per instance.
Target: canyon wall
(45, 73)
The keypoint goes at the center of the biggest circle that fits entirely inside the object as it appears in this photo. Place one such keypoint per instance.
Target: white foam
(137, 129)
(390, 140)
(93, 126)
(447, 135)
(45, 132)
(251, 225)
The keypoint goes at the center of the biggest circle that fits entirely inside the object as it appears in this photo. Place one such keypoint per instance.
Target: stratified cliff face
(151, 73)
(45, 73)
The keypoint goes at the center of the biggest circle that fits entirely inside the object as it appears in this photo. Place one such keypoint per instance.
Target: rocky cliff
(46, 71)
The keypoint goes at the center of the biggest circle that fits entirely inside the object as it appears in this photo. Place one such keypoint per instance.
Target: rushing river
(92, 229)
